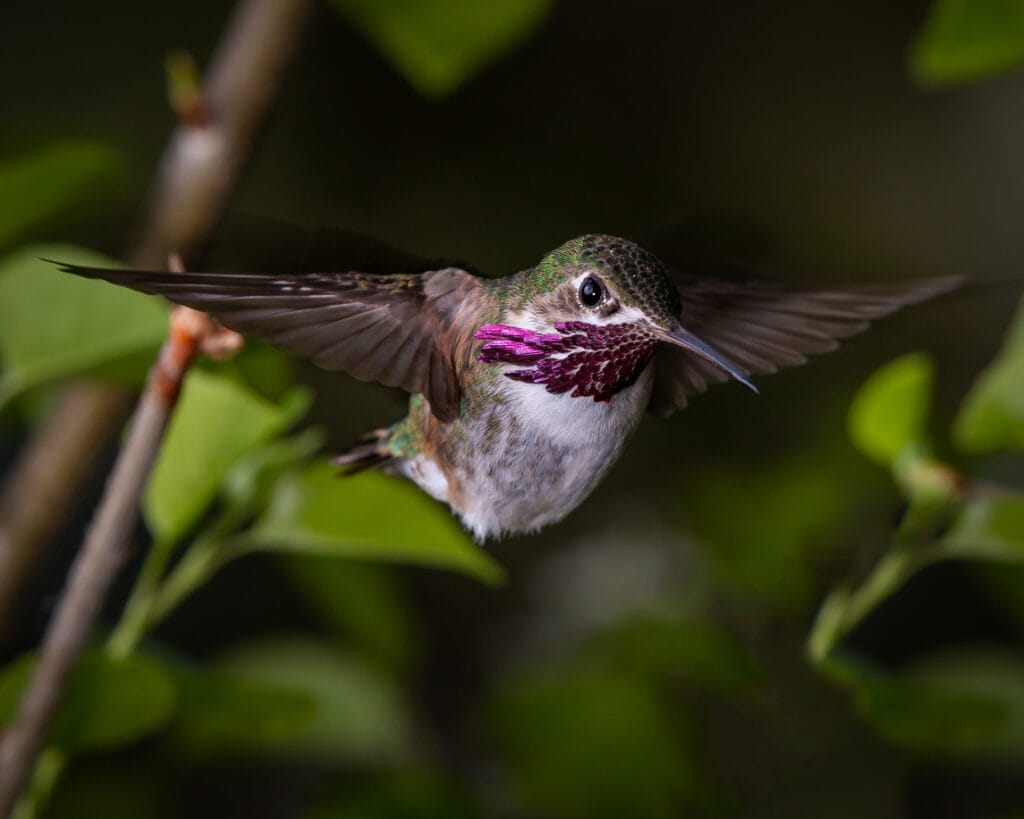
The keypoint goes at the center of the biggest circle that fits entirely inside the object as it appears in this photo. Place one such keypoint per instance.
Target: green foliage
(962, 703)
(696, 652)
(37, 186)
(359, 714)
(216, 422)
(890, 411)
(108, 702)
(574, 754)
(367, 516)
(358, 600)
(992, 415)
(405, 795)
(987, 528)
(53, 325)
(439, 44)
(763, 554)
(222, 713)
(967, 40)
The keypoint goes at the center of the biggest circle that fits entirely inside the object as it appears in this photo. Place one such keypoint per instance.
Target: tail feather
(370, 451)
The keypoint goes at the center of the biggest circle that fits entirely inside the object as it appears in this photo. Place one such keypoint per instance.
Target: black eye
(590, 292)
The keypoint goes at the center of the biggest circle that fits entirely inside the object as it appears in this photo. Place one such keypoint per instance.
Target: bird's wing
(764, 327)
(408, 331)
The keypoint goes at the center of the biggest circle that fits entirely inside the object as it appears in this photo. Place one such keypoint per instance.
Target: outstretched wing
(408, 331)
(764, 327)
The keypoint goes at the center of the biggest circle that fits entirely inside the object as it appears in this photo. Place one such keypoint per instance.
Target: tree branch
(196, 177)
(97, 564)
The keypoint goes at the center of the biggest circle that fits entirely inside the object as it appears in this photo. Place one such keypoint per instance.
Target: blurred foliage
(967, 40)
(109, 702)
(369, 515)
(992, 417)
(40, 185)
(87, 325)
(362, 684)
(965, 701)
(439, 44)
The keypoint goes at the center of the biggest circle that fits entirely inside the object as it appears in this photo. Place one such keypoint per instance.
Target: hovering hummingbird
(525, 389)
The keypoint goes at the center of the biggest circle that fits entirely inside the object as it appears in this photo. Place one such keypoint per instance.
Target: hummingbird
(525, 389)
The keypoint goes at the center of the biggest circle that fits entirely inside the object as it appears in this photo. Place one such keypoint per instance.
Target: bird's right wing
(412, 331)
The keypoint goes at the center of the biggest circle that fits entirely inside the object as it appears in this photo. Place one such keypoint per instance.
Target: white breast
(561, 448)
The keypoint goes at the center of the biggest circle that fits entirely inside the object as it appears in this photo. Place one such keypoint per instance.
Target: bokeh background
(664, 652)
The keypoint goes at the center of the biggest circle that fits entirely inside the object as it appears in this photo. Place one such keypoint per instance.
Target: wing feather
(764, 327)
(408, 331)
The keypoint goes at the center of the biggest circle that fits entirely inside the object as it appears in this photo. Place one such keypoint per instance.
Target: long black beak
(684, 338)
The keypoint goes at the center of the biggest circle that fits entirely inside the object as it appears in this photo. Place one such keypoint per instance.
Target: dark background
(784, 136)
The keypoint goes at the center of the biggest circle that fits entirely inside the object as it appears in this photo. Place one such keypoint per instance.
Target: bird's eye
(591, 292)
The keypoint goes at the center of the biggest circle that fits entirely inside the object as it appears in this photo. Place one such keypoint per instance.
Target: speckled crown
(638, 272)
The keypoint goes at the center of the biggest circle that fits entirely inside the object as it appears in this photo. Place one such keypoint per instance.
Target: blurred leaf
(987, 528)
(216, 422)
(223, 713)
(358, 599)
(407, 795)
(369, 516)
(966, 702)
(251, 479)
(591, 745)
(264, 368)
(439, 44)
(967, 40)
(759, 525)
(890, 411)
(108, 702)
(36, 186)
(696, 652)
(359, 713)
(992, 415)
(53, 324)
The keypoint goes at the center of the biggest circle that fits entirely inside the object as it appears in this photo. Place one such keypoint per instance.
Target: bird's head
(588, 318)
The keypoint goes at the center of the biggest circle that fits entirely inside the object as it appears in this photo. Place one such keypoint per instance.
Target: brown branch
(197, 174)
(97, 564)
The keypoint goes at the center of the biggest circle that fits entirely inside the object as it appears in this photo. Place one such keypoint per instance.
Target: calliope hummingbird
(525, 389)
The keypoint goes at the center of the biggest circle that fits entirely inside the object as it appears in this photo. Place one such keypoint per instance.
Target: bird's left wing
(412, 331)
(763, 327)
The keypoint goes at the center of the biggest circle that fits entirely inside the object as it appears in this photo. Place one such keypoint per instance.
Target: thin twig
(198, 173)
(97, 563)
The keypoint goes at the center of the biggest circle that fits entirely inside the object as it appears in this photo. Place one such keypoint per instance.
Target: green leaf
(369, 516)
(992, 415)
(890, 410)
(216, 422)
(53, 325)
(36, 186)
(251, 479)
(223, 713)
(108, 702)
(967, 40)
(359, 713)
(964, 702)
(362, 601)
(593, 744)
(403, 794)
(763, 553)
(987, 528)
(439, 44)
(693, 651)
(925, 715)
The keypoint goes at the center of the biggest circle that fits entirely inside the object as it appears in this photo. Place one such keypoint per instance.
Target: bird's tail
(371, 450)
